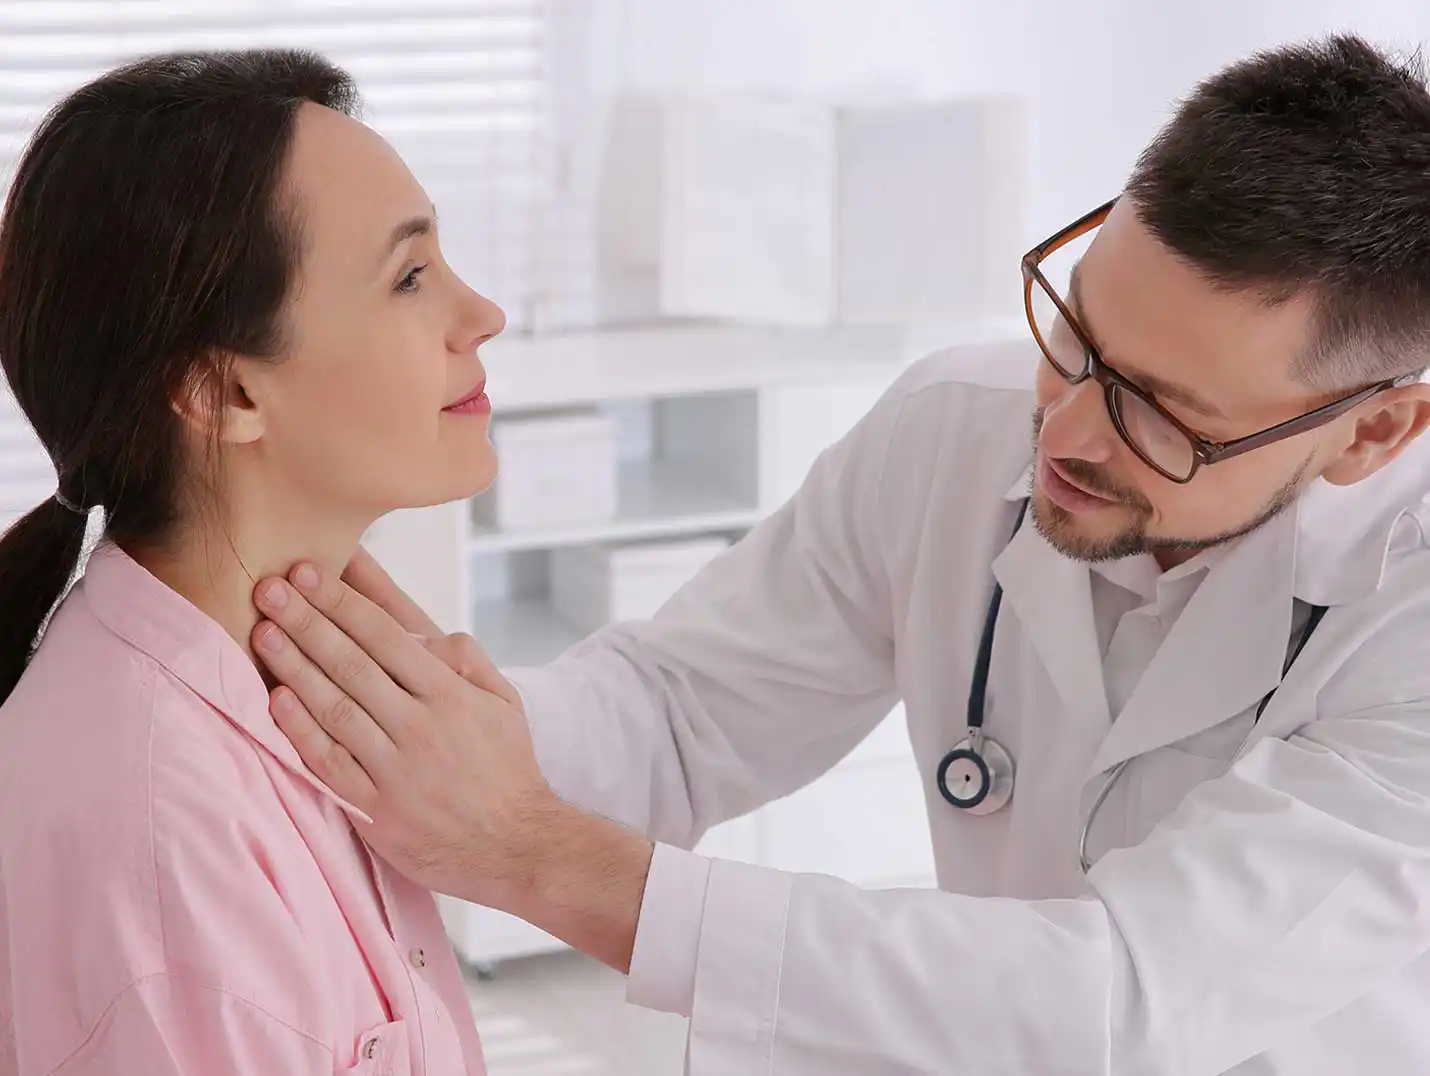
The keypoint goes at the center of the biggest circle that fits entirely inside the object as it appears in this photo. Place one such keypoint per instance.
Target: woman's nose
(484, 320)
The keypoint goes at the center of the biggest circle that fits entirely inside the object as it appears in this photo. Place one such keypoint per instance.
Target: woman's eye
(409, 283)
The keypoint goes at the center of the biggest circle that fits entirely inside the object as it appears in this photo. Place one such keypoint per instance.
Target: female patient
(224, 310)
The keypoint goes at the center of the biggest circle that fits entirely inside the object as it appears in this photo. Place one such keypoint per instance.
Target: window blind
(461, 88)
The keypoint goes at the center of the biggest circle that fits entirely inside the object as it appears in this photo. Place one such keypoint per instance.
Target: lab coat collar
(194, 649)
(1051, 595)
(1329, 548)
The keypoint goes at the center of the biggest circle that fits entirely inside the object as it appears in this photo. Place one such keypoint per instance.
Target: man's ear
(216, 404)
(1384, 427)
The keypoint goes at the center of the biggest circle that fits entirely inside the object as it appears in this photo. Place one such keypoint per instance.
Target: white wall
(1101, 76)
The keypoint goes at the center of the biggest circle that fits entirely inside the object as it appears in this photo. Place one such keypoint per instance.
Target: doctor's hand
(442, 763)
(461, 653)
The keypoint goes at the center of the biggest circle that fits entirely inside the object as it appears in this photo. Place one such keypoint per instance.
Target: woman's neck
(216, 569)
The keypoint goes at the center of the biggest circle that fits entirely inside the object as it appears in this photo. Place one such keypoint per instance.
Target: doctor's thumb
(465, 656)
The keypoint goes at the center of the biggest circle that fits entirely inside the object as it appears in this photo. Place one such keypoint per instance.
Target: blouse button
(369, 1049)
(418, 958)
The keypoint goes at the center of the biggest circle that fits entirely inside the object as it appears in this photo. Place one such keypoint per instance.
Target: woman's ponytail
(38, 557)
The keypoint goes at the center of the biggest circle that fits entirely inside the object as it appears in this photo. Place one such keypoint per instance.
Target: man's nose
(1076, 425)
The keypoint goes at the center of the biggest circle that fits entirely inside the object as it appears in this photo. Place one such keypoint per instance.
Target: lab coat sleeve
(1270, 899)
(755, 678)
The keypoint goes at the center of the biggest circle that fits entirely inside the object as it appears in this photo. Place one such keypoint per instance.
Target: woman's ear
(1382, 432)
(219, 406)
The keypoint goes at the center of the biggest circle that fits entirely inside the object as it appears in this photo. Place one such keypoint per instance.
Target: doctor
(1177, 773)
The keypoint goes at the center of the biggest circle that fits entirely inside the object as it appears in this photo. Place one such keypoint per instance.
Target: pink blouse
(178, 894)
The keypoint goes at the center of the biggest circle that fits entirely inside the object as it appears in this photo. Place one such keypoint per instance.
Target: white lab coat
(1260, 899)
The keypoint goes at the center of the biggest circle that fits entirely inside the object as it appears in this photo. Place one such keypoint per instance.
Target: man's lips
(1065, 493)
(1080, 487)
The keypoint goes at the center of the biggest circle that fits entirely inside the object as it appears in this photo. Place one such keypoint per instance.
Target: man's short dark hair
(1306, 170)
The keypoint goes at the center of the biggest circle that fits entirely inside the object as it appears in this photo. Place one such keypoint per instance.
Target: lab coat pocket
(381, 1051)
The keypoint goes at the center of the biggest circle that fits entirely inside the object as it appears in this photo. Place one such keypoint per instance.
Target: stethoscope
(977, 775)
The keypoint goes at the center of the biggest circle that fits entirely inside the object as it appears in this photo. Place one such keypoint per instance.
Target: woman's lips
(474, 403)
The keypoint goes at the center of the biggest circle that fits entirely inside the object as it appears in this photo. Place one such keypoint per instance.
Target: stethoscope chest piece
(977, 777)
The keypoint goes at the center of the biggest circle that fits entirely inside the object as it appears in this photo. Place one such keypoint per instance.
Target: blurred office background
(719, 231)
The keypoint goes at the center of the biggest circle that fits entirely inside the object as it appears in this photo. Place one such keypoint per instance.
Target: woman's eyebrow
(408, 229)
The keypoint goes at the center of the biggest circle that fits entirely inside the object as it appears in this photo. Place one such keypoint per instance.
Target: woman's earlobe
(240, 418)
(241, 415)
(226, 410)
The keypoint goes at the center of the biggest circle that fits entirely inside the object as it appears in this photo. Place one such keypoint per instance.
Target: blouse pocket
(381, 1051)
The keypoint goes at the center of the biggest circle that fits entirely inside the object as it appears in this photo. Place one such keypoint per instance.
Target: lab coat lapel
(1226, 650)
(1052, 599)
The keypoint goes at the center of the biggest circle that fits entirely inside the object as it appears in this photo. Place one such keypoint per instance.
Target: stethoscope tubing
(977, 697)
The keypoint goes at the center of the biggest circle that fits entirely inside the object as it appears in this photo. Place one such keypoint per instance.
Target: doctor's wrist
(582, 879)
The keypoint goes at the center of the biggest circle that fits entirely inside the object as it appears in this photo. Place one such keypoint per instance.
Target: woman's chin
(478, 477)
(472, 480)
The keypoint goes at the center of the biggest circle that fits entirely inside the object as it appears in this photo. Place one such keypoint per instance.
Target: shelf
(521, 632)
(655, 498)
(526, 372)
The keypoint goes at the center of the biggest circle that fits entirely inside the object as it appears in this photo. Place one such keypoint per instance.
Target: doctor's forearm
(581, 879)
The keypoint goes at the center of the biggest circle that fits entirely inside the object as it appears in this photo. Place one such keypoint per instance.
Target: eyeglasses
(1156, 437)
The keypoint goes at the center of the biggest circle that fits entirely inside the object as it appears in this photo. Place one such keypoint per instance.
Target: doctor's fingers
(342, 716)
(366, 576)
(350, 634)
(356, 665)
(330, 761)
(465, 656)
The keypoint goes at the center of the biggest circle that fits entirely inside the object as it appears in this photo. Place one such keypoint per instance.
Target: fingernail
(283, 701)
(275, 595)
(306, 576)
(270, 639)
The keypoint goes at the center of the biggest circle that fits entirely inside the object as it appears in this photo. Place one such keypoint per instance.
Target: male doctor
(1208, 676)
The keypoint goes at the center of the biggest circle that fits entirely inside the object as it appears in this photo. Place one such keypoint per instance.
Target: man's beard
(1058, 526)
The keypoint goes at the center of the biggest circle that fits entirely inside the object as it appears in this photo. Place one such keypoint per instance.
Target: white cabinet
(718, 427)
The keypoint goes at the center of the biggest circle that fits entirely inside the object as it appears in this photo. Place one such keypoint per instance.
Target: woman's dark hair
(145, 242)
(1306, 170)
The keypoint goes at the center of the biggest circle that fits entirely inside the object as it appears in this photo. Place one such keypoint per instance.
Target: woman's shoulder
(73, 733)
(105, 755)
(135, 834)
(107, 747)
